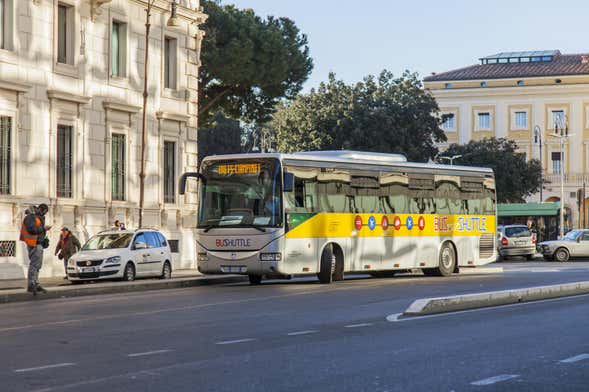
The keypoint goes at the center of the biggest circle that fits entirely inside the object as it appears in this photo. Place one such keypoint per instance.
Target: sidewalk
(15, 290)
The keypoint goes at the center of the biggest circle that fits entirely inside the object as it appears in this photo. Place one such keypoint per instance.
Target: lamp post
(173, 21)
(562, 137)
(451, 159)
(538, 140)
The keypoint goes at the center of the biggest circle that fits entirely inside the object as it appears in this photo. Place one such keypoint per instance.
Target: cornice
(180, 117)
(65, 96)
(120, 106)
(188, 14)
(562, 90)
(14, 86)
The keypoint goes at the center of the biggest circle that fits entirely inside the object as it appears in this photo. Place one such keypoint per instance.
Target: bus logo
(421, 223)
(409, 223)
(384, 223)
(358, 222)
(397, 223)
(371, 223)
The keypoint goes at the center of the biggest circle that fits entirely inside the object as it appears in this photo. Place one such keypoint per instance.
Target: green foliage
(382, 114)
(249, 63)
(515, 178)
(223, 137)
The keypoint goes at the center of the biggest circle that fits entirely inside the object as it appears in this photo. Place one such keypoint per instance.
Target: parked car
(574, 244)
(122, 254)
(516, 240)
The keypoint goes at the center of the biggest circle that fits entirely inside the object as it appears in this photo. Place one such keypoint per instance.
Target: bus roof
(353, 157)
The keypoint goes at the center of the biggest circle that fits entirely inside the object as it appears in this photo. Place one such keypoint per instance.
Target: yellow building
(523, 96)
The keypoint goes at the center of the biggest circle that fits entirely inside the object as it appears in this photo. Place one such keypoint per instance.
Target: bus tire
(327, 265)
(255, 280)
(338, 273)
(447, 260)
(561, 255)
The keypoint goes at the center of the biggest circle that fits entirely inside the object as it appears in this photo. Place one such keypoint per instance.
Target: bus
(328, 213)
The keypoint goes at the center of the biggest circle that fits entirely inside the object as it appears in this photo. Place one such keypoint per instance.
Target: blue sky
(356, 38)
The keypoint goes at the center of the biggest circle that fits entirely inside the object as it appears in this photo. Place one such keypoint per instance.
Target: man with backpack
(34, 234)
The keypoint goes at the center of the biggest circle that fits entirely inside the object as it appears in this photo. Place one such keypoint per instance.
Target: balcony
(570, 179)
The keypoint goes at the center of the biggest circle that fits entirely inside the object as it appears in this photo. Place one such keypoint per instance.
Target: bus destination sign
(227, 169)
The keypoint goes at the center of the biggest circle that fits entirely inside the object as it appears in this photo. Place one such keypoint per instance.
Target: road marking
(235, 341)
(496, 379)
(148, 353)
(576, 358)
(302, 332)
(57, 365)
(358, 325)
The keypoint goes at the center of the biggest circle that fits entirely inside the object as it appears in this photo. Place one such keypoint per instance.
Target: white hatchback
(122, 254)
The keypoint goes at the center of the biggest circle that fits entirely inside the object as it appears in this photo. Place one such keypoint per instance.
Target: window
(7, 248)
(521, 120)
(170, 45)
(140, 239)
(152, 239)
(557, 118)
(169, 172)
(483, 84)
(448, 85)
(161, 239)
(64, 160)
(5, 154)
(449, 122)
(520, 82)
(118, 49)
(484, 121)
(118, 167)
(174, 246)
(556, 162)
(65, 34)
(3, 24)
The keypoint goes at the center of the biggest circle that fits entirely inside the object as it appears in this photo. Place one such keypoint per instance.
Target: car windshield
(572, 235)
(241, 193)
(108, 241)
(517, 232)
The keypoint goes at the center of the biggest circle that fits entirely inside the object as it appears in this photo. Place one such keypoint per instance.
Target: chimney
(585, 59)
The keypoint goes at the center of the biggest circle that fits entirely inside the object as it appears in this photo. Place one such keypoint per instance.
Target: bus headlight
(202, 256)
(271, 256)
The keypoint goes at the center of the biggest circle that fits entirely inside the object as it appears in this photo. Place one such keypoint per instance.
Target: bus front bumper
(246, 263)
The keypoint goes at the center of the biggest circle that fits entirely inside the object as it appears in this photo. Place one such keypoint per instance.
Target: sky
(358, 38)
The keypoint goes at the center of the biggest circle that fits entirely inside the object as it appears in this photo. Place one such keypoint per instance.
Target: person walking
(33, 233)
(66, 247)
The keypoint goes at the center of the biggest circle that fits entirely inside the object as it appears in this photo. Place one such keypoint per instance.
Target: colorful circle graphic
(384, 223)
(409, 223)
(358, 222)
(371, 223)
(397, 223)
(421, 223)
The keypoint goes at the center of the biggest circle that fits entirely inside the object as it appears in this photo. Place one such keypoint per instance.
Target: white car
(122, 254)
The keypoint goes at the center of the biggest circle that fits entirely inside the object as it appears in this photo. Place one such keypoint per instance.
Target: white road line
(358, 325)
(148, 353)
(234, 341)
(57, 365)
(576, 358)
(496, 379)
(302, 332)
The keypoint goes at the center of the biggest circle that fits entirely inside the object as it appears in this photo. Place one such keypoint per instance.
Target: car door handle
(145, 254)
(161, 253)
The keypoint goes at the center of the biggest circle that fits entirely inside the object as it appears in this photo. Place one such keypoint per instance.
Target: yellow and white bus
(334, 212)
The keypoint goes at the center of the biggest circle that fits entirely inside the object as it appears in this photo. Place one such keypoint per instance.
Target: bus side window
(299, 193)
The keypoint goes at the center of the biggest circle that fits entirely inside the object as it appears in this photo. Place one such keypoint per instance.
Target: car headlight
(271, 256)
(114, 259)
(71, 262)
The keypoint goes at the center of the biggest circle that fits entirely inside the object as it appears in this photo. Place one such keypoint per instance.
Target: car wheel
(129, 274)
(530, 257)
(255, 280)
(561, 255)
(166, 271)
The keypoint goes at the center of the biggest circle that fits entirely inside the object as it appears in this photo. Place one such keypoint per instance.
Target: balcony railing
(570, 179)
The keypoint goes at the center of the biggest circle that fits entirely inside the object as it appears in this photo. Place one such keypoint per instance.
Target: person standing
(66, 247)
(34, 234)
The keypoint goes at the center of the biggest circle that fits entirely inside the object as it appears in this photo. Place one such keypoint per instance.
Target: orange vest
(29, 239)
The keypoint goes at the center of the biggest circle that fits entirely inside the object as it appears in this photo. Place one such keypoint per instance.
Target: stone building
(523, 96)
(71, 85)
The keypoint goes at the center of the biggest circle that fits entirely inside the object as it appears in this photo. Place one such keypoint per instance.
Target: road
(301, 336)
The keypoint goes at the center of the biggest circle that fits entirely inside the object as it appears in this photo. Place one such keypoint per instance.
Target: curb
(479, 270)
(117, 287)
(427, 306)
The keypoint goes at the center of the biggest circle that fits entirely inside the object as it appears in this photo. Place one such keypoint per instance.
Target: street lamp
(172, 21)
(538, 141)
(562, 137)
(451, 159)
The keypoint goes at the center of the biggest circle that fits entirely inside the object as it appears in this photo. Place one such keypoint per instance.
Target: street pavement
(302, 336)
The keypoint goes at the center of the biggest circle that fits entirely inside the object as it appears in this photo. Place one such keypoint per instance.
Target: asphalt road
(301, 336)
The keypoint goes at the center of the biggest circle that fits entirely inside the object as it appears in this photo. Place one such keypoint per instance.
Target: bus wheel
(327, 266)
(338, 273)
(447, 261)
(255, 279)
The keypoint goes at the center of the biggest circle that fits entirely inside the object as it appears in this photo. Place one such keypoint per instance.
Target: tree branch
(214, 100)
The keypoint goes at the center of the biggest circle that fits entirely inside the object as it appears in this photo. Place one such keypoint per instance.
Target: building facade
(71, 96)
(526, 96)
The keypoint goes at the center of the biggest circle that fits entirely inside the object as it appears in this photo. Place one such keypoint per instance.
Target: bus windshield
(241, 193)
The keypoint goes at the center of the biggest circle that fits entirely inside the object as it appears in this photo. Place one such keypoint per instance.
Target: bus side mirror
(288, 182)
(185, 177)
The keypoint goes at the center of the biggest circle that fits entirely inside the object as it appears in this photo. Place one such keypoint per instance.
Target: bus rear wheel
(255, 280)
(447, 262)
(327, 265)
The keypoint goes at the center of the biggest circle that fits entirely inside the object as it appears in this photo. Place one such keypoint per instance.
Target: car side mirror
(139, 245)
(288, 182)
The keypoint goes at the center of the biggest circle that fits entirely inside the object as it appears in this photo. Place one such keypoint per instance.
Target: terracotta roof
(562, 65)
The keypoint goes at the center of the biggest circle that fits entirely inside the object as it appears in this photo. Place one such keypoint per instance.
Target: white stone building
(71, 85)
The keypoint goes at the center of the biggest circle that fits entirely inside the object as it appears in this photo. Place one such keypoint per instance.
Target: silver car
(516, 240)
(574, 244)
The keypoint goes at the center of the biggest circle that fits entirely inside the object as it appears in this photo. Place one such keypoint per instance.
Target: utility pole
(562, 137)
(538, 140)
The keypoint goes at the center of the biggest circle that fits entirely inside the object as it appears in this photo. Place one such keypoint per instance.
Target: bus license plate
(86, 270)
(234, 268)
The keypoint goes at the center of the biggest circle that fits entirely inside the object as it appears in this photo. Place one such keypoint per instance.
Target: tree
(515, 178)
(382, 114)
(223, 137)
(248, 63)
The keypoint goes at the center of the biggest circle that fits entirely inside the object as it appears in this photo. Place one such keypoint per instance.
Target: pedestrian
(116, 226)
(34, 234)
(66, 247)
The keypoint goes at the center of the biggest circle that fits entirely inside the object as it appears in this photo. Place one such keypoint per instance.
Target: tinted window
(161, 239)
(140, 239)
(152, 239)
(518, 231)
